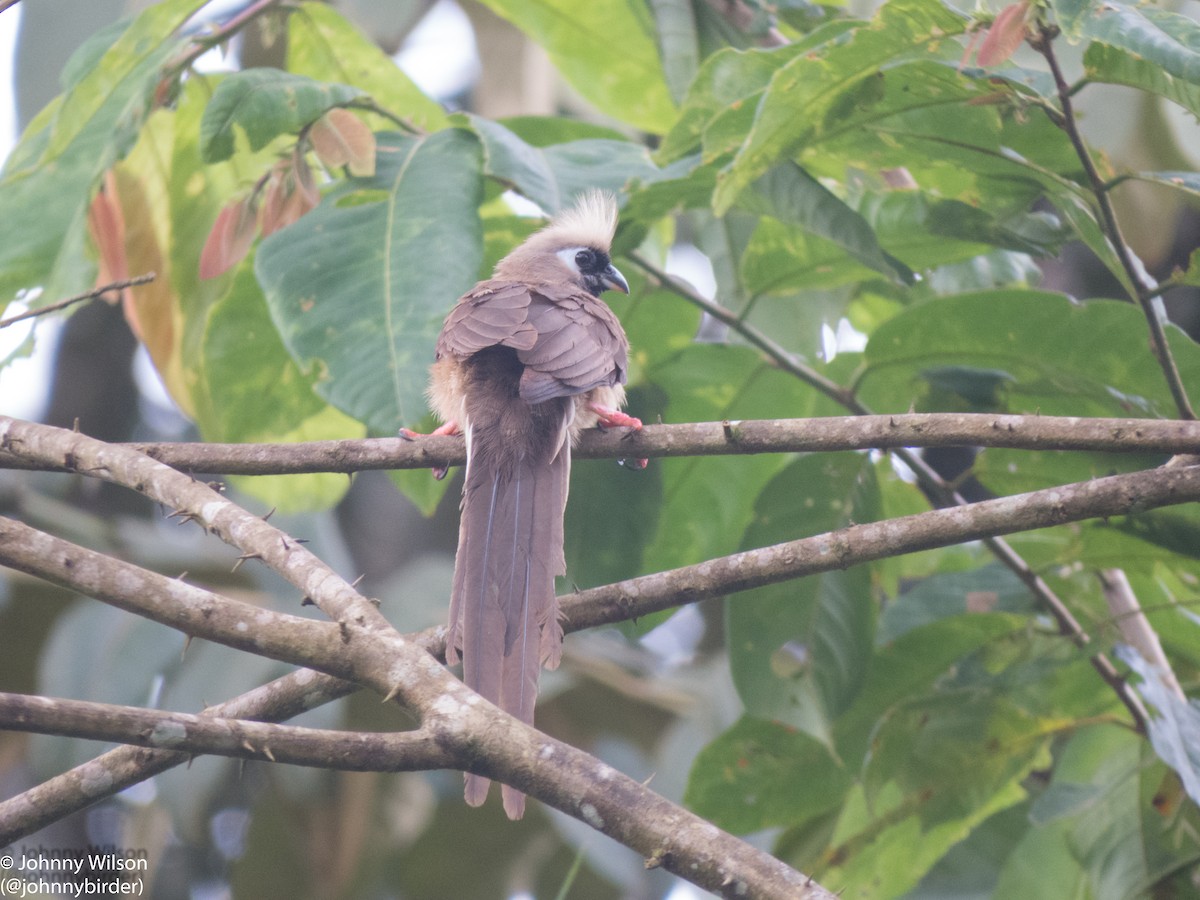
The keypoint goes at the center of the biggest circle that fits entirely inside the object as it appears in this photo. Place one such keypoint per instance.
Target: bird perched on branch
(525, 362)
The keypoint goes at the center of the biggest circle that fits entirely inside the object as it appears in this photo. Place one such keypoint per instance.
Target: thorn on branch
(242, 558)
(307, 601)
(270, 513)
(391, 695)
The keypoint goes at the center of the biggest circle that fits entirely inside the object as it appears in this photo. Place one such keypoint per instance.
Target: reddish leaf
(1007, 33)
(230, 238)
(341, 138)
(106, 226)
(290, 193)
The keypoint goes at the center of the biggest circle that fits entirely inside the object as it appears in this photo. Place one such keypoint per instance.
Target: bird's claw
(439, 472)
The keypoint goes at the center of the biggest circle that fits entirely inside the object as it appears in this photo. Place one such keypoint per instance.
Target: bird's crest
(590, 222)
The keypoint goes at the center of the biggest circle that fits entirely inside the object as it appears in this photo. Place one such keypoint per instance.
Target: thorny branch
(319, 645)
(474, 735)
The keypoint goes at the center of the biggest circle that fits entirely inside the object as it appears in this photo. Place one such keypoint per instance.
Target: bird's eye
(585, 259)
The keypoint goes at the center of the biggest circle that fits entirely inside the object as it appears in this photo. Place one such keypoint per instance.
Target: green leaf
(1017, 336)
(68, 146)
(678, 43)
(881, 841)
(708, 502)
(798, 651)
(263, 104)
(1092, 834)
(1115, 65)
(763, 774)
(1188, 182)
(814, 91)
(323, 45)
(606, 51)
(733, 79)
(955, 751)
(363, 322)
(611, 519)
(991, 588)
(1162, 38)
(794, 197)
(909, 665)
(551, 176)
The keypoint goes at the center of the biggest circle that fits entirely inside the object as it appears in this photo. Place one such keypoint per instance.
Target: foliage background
(912, 727)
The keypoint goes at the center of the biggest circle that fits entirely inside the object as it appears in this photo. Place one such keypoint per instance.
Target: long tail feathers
(503, 610)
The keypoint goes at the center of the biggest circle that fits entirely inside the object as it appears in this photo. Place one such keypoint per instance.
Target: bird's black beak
(614, 280)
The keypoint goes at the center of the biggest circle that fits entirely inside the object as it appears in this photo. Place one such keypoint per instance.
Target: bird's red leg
(451, 427)
(614, 418)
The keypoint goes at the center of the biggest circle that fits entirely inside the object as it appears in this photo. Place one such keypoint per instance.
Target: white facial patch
(567, 255)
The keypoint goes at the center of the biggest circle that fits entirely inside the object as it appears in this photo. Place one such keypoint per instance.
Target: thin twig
(1144, 290)
(93, 294)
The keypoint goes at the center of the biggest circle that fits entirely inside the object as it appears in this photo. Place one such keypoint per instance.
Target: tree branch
(404, 751)
(587, 609)
(112, 772)
(1107, 497)
(475, 735)
(832, 433)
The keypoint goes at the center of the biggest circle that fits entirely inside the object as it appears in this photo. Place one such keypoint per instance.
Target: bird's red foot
(614, 418)
(451, 427)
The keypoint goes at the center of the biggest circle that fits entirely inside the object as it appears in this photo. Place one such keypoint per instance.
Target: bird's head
(573, 248)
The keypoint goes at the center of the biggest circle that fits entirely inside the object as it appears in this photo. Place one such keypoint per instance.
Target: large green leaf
(731, 79)
(1115, 65)
(798, 651)
(909, 665)
(605, 50)
(764, 774)
(881, 848)
(794, 197)
(359, 287)
(552, 175)
(323, 45)
(709, 501)
(991, 588)
(955, 751)
(816, 91)
(1017, 338)
(67, 147)
(1092, 833)
(263, 104)
(1160, 37)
